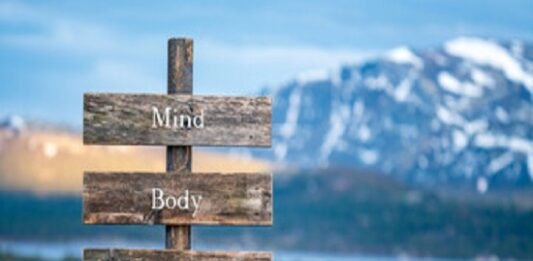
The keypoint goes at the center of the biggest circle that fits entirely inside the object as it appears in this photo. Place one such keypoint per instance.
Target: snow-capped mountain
(461, 111)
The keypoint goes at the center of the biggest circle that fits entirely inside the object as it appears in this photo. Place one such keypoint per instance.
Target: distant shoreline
(40, 250)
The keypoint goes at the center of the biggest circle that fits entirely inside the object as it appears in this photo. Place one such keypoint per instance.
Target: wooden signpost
(177, 198)
(143, 119)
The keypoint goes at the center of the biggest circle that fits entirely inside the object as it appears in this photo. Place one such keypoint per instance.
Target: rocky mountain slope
(461, 112)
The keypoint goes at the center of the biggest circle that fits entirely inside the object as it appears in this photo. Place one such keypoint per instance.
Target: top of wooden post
(180, 61)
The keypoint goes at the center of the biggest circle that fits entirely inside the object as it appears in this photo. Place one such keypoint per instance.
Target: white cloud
(123, 76)
(114, 58)
(56, 32)
(279, 54)
(273, 64)
(64, 36)
(16, 12)
(106, 58)
(117, 51)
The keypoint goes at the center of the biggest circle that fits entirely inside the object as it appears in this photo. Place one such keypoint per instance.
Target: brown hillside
(51, 161)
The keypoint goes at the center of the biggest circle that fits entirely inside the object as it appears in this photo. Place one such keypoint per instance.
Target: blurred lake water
(73, 249)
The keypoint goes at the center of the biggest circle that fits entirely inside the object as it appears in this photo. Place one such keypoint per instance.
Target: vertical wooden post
(179, 158)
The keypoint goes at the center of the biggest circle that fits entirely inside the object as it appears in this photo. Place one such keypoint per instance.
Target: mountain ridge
(459, 112)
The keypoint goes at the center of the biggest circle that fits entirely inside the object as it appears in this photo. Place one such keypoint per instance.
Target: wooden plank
(212, 198)
(163, 255)
(177, 119)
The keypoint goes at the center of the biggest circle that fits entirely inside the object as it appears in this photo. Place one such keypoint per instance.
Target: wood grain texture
(179, 158)
(167, 255)
(126, 119)
(227, 199)
(180, 66)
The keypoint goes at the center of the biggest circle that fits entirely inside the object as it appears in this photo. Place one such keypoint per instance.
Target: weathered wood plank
(164, 255)
(130, 119)
(221, 199)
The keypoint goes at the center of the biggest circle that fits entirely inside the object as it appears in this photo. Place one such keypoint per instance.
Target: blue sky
(52, 52)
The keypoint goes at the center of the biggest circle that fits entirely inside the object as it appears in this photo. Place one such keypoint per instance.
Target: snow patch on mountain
(481, 78)
(338, 125)
(401, 93)
(486, 52)
(368, 156)
(291, 120)
(516, 144)
(501, 114)
(460, 140)
(312, 76)
(404, 55)
(512, 144)
(449, 117)
(482, 185)
(451, 84)
(499, 163)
